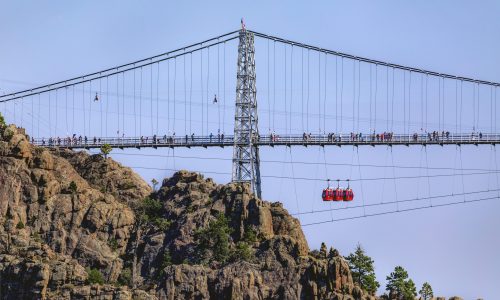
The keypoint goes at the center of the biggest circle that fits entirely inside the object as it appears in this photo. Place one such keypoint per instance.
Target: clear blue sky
(455, 248)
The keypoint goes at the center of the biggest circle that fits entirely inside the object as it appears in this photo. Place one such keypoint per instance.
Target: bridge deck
(268, 140)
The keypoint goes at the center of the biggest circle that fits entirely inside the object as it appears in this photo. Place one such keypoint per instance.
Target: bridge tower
(246, 164)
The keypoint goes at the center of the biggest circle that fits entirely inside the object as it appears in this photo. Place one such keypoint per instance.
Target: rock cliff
(78, 226)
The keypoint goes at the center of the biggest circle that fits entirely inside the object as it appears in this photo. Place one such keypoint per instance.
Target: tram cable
(400, 210)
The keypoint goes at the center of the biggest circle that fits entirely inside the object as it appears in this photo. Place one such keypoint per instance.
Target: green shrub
(105, 150)
(243, 252)
(151, 212)
(166, 260)
(36, 237)
(113, 244)
(95, 276)
(20, 225)
(250, 235)
(72, 187)
(213, 242)
(125, 277)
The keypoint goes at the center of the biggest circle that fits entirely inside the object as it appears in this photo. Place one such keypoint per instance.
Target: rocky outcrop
(78, 226)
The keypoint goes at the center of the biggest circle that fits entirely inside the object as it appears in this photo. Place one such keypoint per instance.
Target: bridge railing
(270, 140)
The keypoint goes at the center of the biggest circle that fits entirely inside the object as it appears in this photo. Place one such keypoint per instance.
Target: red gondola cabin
(327, 194)
(348, 194)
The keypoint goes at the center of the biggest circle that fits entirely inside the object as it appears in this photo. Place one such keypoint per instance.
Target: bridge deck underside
(276, 140)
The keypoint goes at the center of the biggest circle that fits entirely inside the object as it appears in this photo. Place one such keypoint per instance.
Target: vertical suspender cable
(151, 99)
(491, 110)
(224, 87)
(375, 99)
(268, 91)
(371, 97)
(202, 93)
(65, 109)
(107, 103)
(324, 100)
(22, 110)
(302, 89)
(135, 110)
(353, 95)
(57, 108)
(426, 101)
(341, 95)
(473, 107)
(336, 95)
(33, 112)
(208, 81)
(84, 112)
(387, 100)
(409, 105)
(359, 94)
(90, 107)
(319, 91)
(291, 91)
(100, 105)
(285, 75)
(118, 104)
(175, 95)
(456, 106)
(218, 86)
(168, 96)
(190, 93)
(308, 90)
(135, 113)
(478, 109)
(439, 104)
(140, 106)
(443, 110)
(421, 102)
(73, 115)
(123, 104)
(404, 101)
(185, 95)
(461, 102)
(157, 98)
(392, 100)
(274, 82)
(39, 114)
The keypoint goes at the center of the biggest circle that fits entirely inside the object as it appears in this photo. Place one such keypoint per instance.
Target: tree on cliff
(426, 291)
(2, 121)
(214, 241)
(363, 272)
(400, 286)
(106, 149)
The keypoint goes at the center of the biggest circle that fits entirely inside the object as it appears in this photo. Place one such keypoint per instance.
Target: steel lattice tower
(246, 164)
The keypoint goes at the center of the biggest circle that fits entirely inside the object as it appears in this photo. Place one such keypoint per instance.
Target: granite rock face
(65, 215)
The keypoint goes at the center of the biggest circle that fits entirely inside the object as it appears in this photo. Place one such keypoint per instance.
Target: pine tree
(363, 272)
(2, 121)
(322, 250)
(426, 291)
(399, 286)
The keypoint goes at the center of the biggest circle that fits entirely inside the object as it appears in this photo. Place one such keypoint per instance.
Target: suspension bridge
(310, 96)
